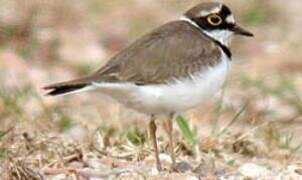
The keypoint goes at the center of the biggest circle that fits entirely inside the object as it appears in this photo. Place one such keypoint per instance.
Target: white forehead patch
(230, 19)
(215, 10)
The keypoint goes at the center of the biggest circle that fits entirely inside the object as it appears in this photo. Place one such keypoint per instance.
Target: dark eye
(214, 19)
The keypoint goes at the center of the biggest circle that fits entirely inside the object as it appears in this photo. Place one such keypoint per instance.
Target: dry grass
(250, 131)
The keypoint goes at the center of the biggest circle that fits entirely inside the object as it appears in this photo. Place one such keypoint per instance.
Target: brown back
(172, 51)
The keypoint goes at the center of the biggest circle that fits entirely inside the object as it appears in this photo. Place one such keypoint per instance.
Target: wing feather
(172, 51)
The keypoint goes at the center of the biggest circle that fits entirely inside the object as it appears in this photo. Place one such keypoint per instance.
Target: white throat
(222, 36)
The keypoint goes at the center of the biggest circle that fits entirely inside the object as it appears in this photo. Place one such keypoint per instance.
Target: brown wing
(174, 50)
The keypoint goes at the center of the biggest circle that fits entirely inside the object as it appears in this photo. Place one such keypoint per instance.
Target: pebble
(251, 170)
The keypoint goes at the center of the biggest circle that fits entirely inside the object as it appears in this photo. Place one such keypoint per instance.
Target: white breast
(177, 96)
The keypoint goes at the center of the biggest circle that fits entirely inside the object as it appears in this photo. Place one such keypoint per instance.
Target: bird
(173, 68)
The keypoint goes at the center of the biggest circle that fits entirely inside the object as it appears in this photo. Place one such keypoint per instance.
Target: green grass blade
(136, 137)
(225, 129)
(185, 129)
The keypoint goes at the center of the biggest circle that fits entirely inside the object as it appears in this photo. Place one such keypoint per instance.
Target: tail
(68, 87)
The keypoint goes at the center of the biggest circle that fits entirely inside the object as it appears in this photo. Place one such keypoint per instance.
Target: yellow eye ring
(214, 19)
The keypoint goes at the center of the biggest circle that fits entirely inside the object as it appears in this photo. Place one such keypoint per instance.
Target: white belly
(177, 96)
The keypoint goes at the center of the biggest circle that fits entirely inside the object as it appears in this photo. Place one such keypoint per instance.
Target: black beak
(241, 31)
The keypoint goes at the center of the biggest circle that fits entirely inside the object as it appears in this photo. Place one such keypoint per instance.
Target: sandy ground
(250, 130)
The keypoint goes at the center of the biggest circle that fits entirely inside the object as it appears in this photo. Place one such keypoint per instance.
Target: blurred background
(257, 115)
